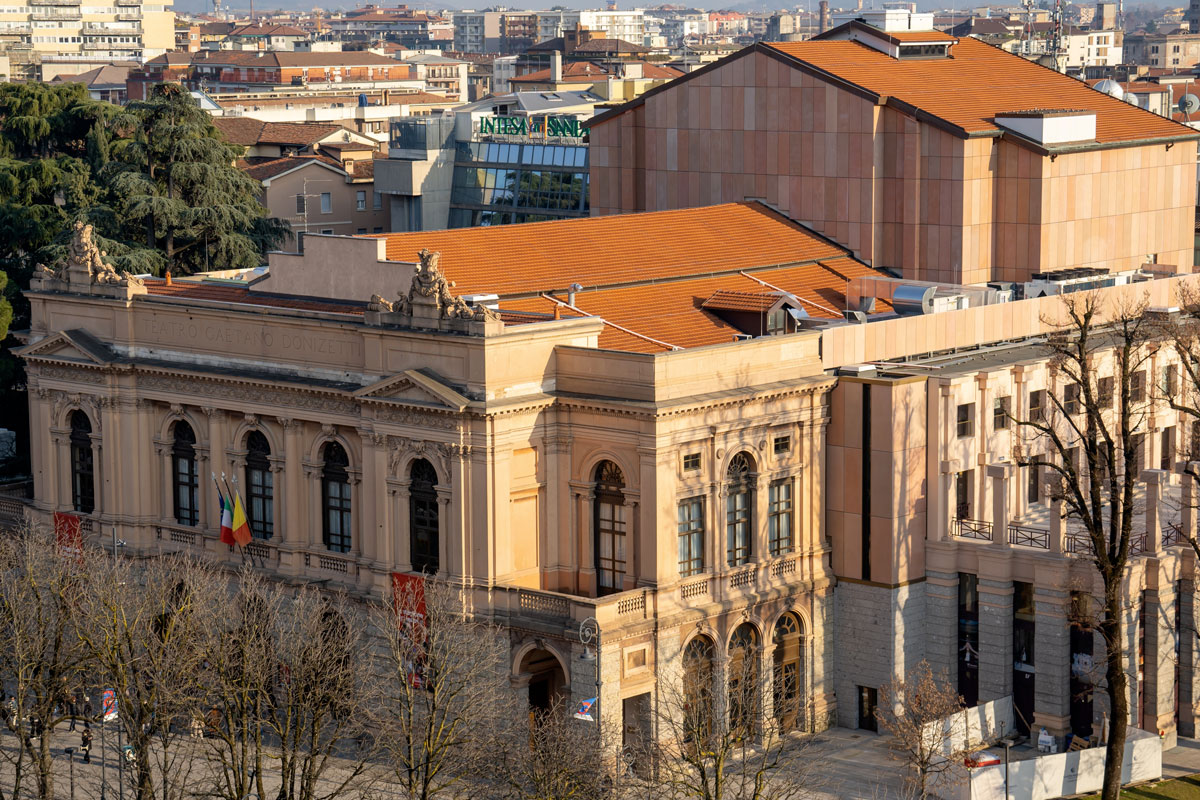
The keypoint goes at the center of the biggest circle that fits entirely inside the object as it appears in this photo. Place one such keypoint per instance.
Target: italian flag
(226, 519)
(241, 528)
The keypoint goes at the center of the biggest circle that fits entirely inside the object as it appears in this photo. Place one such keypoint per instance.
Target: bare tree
(557, 757)
(42, 657)
(715, 744)
(446, 690)
(1087, 439)
(145, 625)
(922, 714)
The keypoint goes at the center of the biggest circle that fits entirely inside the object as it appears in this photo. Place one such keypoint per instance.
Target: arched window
(423, 517)
(83, 473)
(739, 514)
(744, 688)
(184, 478)
(335, 498)
(260, 486)
(609, 524)
(697, 689)
(789, 689)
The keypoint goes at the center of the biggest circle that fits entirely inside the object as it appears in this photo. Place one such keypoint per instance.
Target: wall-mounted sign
(532, 127)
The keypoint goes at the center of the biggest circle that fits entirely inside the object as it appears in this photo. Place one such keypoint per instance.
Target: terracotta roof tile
(975, 83)
(597, 251)
(730, 300)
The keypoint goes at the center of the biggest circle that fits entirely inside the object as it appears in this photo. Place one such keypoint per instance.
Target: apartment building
(72, 31)
(236, 70)
(628, 26)
(494, 31)
(931, 165)
(332, 192)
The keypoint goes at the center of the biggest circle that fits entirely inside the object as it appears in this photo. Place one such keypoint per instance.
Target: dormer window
(915, 51)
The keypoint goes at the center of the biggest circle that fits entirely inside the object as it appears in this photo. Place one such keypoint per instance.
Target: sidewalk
(1183, 759)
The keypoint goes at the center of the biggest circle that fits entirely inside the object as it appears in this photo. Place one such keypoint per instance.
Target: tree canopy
(155, 179)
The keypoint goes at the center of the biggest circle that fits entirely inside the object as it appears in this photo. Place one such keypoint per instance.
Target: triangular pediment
(415, 386)
(74, 345)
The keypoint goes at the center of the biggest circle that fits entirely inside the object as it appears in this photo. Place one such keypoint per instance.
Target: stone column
(278, 476)
(1058, 526)
(450, 562)
(291, 522)
(1187, 501)
(946, 508)
(1156, 481)
(999, 475)
(635, 555)
(367, 503)
(1052, 646)
(57, 491)
(587, 549)
(402, 554)
(714, 550)
(1189, 652)
(1159, 674)
(995, 630)
(941, 624)
(758, 524)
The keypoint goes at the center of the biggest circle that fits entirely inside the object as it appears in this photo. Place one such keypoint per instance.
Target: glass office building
(496, 183)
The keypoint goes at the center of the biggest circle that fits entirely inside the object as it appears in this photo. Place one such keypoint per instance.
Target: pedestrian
(35, 727)
(72, 710)
(85, 742)
(87, 708)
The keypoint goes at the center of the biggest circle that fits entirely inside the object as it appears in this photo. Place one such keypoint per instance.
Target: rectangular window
(691, 461)
(691, 537)
(783, 444)
(360, 201)
(1137, 386)
(1071, 400)
(1169, 381)
(968, 638)
(1023, 625)
(1033, 486)
(779, 517)
(1001, 409)
(328, 231)
(377, 201)
(737, 525)
(966, 413)
(326, 203)
(1168, 453)
(361, 231)
(962, 494)
(377, 229)
(1104, 392)
(1037, 406)
(300, 204)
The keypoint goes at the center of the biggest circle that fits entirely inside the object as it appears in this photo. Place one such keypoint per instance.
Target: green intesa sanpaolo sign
(531, 126)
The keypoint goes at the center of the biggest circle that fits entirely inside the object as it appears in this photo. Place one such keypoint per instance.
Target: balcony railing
(973, 529)
(1024, 536)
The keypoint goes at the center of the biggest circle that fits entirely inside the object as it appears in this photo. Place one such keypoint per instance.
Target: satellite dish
(1132, 99)
(1189, 104)
(1111, 88)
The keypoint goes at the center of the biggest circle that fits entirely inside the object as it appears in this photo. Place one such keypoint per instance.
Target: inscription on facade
(252, 340)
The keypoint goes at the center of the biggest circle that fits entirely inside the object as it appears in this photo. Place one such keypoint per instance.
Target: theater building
(944, 159)
(638, 452)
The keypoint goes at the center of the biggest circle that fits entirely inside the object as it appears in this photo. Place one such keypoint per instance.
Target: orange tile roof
(651, 277)
(975, 83)
(599, 251)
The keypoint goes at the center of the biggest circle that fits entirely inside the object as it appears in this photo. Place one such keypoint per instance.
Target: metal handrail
(973, 529)
(1029, 537)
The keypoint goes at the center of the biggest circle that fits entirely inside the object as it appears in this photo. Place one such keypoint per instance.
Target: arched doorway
(542, 673)
(744, 687)
(789, 692)
(698, 688)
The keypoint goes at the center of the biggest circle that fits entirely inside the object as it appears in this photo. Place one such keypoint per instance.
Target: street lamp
(589, 634)
(70, 751)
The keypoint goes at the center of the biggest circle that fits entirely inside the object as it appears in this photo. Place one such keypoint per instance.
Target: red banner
(408, 595)
(68, 536)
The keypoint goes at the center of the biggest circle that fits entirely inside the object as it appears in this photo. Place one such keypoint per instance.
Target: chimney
(632, 70)
(824, 23)
(556, 67)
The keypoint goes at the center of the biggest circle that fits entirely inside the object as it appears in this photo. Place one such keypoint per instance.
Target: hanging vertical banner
(408, 595)
(68, 536)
